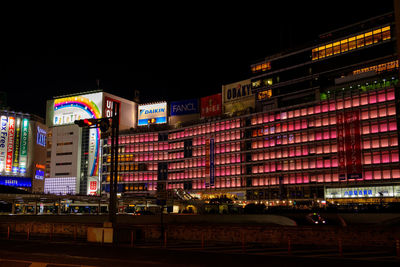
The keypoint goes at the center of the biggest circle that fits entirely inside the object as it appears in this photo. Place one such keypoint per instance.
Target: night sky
(167, 54)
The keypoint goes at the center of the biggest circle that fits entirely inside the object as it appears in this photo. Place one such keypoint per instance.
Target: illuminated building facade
(325, 127)
(22, 151)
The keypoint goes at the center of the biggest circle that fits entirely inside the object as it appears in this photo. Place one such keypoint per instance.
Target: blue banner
(15, 181)
(184, 107)
(212, 174)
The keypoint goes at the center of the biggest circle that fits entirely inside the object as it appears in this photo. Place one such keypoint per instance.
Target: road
(43, 253)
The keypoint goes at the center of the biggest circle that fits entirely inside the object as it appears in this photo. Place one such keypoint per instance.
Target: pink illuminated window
(347, 103)
(364, 100)
(356, 101)
(368, 175)
(339, 104)
(326, 134)
(320, 163)
(395, 155)
(374, 128)
(325, 107)
(290, 126)
(317, 122)
(373, 113)
(392, 126)
(367, 158)
(385, 157)
(372, 98)
(376, 158)
(396, 173)
(383, 126)
(364, 114)
(382, 97)
(393, 141)
(377, 175)
(390, 94)
(382, 111)
(332, 106)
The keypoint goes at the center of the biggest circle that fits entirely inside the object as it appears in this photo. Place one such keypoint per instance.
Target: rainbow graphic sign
(89, 106)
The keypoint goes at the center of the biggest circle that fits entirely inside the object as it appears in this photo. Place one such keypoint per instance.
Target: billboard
(92, 186)
(10, 143)
(15, 163)
(237, 91)
(152, 113)
(23, 153)
(108, 106)
(211, 105)
(87, 106)
(184, 107)
(15, 181)
(3, 142)
(69, 109)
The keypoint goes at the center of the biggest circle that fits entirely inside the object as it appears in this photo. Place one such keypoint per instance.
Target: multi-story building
(75, 152)
(22, 151)
(323, 127)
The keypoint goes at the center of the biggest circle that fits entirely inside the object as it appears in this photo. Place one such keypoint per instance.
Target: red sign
(10, 143)
(207, 165)
(353, 144)
(211, 105)
(108, 107)
(340, 148)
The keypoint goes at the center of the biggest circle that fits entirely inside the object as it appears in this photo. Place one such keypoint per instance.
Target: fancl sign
(184, 107)
(152, 113)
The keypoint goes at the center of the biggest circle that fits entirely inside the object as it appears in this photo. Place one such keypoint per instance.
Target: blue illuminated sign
(41, 137)
(39, 174)
(360, 193)
(184, 107)
(15, 181)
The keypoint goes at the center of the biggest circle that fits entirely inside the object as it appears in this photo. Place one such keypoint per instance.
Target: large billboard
(184, 107)
(152, 113)
(87, 106)
(211, 105)
(237, 96)
(69, 109)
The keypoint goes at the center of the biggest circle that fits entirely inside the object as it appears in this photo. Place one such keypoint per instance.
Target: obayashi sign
(237, 91)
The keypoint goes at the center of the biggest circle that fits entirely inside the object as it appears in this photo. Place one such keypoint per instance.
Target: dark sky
(167, 53)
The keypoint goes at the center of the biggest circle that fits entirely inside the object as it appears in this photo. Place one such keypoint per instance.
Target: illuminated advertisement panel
(23, 154)
(92, 185)
(152, 113)
(352, 141)
(15, 181)
(69, 109)
(17, 142)
(3, 142)
(211, 105)
(184, 107)
(108, 106)
(237, 91)
(10, 143)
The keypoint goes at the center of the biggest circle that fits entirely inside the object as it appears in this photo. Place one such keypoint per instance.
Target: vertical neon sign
(3, 142)
(10, 143)
(17, 142)
(23, 154)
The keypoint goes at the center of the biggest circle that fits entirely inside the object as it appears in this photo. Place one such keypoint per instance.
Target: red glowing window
(372, 98)
(395, 155)
(392, 126)
(390, 95)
